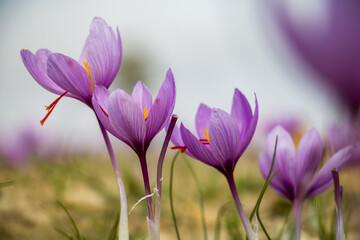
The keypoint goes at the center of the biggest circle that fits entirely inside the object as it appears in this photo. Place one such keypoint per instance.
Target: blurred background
(281, 52)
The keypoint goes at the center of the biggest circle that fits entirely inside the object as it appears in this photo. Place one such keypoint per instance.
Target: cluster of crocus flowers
(98, 65)
(221, 139)
(329, 45)
(135, 120)
(297, 179)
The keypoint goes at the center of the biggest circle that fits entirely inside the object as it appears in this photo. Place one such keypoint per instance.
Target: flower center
(86, 65)
(205, 140)
(51, 107)
(145, 114)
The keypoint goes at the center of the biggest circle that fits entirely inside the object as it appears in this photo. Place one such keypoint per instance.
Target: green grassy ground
(86, 186)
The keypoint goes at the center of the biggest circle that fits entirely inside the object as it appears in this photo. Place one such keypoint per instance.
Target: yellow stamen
(88, 71)
(145, 114)
(207, 135)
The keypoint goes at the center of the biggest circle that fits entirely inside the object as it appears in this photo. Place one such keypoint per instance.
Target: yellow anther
(145, 114)
(88, 71)
(207, 135)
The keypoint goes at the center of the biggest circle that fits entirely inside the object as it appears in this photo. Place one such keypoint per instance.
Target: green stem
(171, 195)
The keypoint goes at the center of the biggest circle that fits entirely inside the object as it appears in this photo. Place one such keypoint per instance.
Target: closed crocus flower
(98, 65)
(297, 179)
(329, 45)
(221, 139)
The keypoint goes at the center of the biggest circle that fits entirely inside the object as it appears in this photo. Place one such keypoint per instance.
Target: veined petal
(202, 120)
(241, 111)
(323, 179)
(142, 96)
(127, 119)
(37, 66)
(103, 52)
(224, 136)
(308, 156)
(99, 102)
(249, 133)
(162, 108)
(69, 75)
(197, 149)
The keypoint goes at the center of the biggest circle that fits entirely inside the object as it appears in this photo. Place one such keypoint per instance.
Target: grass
(85, 185)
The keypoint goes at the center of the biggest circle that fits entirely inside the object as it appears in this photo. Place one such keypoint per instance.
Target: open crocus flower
(221, 139)
(329, 45)
(296, 179)
(135, 120)
(98, 65)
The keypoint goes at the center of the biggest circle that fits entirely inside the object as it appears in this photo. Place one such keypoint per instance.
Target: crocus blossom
(329, 45)
(297, 179)
(135, 120)
(221, 139)
(98, 65)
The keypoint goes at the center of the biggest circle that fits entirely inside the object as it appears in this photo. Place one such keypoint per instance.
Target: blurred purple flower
(338, 192)
(98, 65)
(222, 139)
(346, 134)
(296, 179)
(290, 123)
(330, 47)
(26, 145)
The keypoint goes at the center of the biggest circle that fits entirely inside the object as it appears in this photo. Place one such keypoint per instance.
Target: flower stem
(249, 232)
(123, 222)
(142, 158)
(159, 171)
(171, 195)
(297, 209)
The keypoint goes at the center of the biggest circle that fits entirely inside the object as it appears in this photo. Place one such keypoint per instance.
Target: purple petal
(197, 149)
(176, 137)
(308, 156)
(323, 179)
(69, 75)
(37, 65)
(102, 51)
(127, 119)
(224, 136)
(249, 133)
(142, 96)
(285, 157)
(202, 120)
(276, 182)
(241, 111)
(162, 108)
(99, 102)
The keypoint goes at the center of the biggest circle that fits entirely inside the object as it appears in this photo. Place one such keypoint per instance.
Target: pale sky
(212, 47)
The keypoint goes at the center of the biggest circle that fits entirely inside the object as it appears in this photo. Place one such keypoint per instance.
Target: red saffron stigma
(103, 111)
(182, 148)
(51, 107)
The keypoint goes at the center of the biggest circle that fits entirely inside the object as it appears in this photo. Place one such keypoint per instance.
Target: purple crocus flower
(221, 139)
(329, 45)
(98, 65)
(296, 179)
(136, 119)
